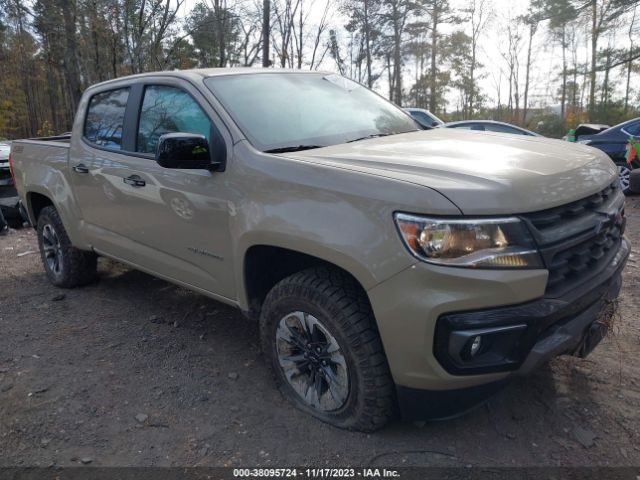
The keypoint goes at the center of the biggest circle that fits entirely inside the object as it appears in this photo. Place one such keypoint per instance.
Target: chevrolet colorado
(389, 268)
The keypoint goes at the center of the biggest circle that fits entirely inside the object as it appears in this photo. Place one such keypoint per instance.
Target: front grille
(548, 219)
(580, 239)
(569, 266)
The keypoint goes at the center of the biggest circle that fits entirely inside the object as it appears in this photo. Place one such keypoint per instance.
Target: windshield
(297, 110)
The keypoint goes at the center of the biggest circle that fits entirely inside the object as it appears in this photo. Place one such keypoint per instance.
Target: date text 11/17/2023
(315, 473)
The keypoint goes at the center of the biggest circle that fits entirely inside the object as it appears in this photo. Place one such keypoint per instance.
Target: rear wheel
(319, 333)
(65, 265)
(624, 174)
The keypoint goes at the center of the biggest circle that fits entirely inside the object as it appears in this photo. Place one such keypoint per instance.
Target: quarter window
(105, 118)
(165, 110)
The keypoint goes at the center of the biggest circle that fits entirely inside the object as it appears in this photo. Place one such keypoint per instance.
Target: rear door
(97, 160)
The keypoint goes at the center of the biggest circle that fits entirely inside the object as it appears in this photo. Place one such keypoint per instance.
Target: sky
(546, 54)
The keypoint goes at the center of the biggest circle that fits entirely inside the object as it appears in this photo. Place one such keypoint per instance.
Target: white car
(9, 201)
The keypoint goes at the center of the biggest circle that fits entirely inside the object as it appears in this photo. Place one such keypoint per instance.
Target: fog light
(475, 345)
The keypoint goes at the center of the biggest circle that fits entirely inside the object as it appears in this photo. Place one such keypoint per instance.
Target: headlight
(479, 243)
(584, 142)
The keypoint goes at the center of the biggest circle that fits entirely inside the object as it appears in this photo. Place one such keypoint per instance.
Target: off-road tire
(341, 305)
(76, 267)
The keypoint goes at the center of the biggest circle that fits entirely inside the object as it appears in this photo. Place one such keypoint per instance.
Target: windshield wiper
(373, 135)
(298, 148)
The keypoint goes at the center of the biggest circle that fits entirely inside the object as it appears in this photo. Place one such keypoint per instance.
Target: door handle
(81, 168)
(134, 181)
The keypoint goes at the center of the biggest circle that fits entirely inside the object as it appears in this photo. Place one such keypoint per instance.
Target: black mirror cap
(184, 150)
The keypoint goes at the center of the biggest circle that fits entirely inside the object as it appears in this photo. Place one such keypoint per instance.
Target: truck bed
(41, 165)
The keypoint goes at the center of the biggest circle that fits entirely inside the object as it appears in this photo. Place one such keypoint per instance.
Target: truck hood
(481, 173)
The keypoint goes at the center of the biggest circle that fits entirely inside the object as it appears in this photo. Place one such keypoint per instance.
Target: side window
(634, 129)
(422, 118)
(105, 117)
(165, 110)
(494, 127)
(462, 126)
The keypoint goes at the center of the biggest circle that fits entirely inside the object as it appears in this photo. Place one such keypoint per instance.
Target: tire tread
(79, 266)
(335, 290)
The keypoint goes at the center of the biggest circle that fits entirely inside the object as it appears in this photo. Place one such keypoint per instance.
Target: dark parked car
(9, 202)
(425, 118)
(590, 129)
(613, 141)
(490, 126)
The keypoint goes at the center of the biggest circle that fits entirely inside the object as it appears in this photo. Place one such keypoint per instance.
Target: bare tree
(632, 25)
(316, 57)
(531, 20)
(511, 57)
(284, 14)
(478, 14)
(364, 20)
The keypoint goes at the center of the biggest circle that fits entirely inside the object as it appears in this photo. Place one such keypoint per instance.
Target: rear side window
(422, 118)
(634, 129)
(166, 110)
(105, 118)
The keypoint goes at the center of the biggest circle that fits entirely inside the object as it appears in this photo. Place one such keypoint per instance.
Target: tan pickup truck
(390, 268)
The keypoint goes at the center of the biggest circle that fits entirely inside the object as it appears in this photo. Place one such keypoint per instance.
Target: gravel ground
(133, 371)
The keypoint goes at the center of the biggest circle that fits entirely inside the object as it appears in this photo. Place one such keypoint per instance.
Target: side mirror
(184, 150)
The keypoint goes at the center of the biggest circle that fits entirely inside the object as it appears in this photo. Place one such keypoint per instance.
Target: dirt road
(135, 371)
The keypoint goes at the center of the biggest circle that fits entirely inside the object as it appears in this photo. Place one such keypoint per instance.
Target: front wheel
(65, 265)
(624, 174)
(318, 331)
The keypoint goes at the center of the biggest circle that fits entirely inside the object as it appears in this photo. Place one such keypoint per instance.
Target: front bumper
(520, 337)
(443, 385)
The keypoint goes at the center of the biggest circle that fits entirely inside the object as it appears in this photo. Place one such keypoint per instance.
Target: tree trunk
(629, 62)
(71, 53)
(266, 16)
(434, 72)
(397, 58)
(563, 96)
(525, 107)
(300, 38)
(367, 36)
(594, 53)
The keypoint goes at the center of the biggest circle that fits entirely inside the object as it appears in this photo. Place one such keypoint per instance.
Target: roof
(211, 72)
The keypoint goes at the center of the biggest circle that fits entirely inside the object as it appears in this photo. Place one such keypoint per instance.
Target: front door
(178, 218)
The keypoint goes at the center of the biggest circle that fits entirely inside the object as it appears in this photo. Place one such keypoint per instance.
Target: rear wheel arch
(36, 202)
